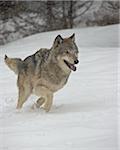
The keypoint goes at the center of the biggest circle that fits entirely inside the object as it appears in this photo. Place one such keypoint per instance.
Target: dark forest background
(22, 18)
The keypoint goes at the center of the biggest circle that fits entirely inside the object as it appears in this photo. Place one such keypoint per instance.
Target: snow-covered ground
(84, 115)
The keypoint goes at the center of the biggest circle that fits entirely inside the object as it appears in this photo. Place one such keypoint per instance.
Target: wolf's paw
(18, 110)
(34, 106)
(44, 109)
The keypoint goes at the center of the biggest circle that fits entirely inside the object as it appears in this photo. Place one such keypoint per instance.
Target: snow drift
(84, 115)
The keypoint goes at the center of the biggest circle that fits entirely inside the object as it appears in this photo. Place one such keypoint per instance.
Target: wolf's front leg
(48, 102)
(38, 103)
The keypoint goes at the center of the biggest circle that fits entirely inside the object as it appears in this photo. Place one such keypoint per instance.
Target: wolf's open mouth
(71, 66)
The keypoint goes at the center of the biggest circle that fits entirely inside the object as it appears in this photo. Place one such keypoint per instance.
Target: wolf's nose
(76, 61)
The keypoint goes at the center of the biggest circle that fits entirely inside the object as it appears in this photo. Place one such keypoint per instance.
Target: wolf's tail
(13, 63)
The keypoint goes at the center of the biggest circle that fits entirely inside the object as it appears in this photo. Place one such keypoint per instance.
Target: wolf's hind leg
(24, 92)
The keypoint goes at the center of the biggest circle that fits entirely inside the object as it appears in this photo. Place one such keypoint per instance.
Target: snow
(84, 115)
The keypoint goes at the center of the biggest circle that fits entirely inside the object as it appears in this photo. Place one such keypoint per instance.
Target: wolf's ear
(73, 37)
(58, 40)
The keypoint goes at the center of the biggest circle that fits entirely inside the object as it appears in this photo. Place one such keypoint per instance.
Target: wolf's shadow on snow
(79, 107)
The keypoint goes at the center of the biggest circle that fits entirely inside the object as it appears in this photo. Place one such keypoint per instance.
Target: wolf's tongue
(73, 67)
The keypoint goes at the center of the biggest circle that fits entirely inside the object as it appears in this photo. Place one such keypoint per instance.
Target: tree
(50, 15)
(108, 13)
(22, 18)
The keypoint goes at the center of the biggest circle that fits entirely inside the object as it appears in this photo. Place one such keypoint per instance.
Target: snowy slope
(84, 115)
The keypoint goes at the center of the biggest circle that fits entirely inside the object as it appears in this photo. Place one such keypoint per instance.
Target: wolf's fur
(45, 72)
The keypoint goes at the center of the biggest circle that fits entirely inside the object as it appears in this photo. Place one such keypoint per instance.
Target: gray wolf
(44, 72)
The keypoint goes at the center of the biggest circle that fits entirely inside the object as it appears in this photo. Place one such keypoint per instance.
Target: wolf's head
(66, 52)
